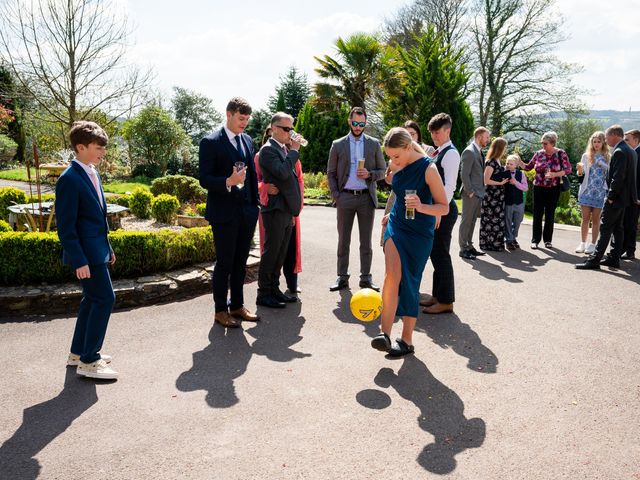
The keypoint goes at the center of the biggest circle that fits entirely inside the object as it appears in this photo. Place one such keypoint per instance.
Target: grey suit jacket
(472, 171)
(279, 169)
(339, 165)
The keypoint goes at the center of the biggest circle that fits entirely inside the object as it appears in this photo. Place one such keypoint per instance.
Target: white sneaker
(580, 248)
(98, 369)
(74, 360)
(590, 249)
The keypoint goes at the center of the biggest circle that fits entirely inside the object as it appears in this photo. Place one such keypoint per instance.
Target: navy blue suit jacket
(81, 218)
(217, 158)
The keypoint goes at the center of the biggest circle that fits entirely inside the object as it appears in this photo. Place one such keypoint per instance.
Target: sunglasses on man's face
(286, 129)
(358, 124)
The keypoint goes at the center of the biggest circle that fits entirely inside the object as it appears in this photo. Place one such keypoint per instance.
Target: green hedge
(164, 208)
(9, 196)
(5, 227)
(33, 258)
(186, 189)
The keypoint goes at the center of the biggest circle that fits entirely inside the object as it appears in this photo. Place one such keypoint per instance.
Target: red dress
(264, 199)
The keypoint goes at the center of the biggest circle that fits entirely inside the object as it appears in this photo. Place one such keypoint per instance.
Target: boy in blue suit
(81, 215)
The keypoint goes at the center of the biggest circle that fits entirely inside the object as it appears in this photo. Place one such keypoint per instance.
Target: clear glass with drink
(239, 166)
(580, 168)
(303, 141)
(409, 212)
(360, 163)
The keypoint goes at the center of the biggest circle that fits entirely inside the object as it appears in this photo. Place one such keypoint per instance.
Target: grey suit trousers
(348, 206)
(470, 212)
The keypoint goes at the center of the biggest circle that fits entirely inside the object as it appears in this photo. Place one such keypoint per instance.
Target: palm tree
(353, 72)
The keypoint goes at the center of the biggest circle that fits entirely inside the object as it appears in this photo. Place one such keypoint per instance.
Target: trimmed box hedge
(33, 258)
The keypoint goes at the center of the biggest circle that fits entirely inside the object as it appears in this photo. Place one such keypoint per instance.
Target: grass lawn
(17, 174)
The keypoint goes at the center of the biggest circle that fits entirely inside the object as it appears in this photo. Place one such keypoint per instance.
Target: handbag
(566, 183)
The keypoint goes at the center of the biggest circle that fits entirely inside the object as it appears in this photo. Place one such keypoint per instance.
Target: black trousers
(233, 242)
(630, 225)
(289, 266)
(610, 225)
(443, 281)
(277, 234)
(545, 201)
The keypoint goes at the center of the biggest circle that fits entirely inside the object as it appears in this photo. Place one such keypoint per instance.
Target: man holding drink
(355, 166)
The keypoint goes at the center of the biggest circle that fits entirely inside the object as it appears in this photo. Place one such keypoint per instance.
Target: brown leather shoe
(427, 300)
(245, 315)
(439, 308)
(226, 320)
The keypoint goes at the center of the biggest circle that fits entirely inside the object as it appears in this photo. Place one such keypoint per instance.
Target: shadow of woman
(275, 336)
(42, 423)
(492, 271)
(441, 414)
(450, 332)
(343, 313)
(217, 366)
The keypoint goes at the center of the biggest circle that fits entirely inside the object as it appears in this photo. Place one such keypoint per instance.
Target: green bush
(201, 208)
(186, 189)
(569, 214)
(383, 196)
(5, 227)
(8, 196)
(122, 200)
(32, 258)
(140, 203)
(164, 207)
(316, 194)
(45, 197)
(313, 180)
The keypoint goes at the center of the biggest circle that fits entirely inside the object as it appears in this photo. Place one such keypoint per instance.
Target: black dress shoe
(467, 255)
(610, 262)
(268, 301)
(341, 284)
(592, 263)
(627, 256)
(369, 284)
(283, 297)
(475, 252)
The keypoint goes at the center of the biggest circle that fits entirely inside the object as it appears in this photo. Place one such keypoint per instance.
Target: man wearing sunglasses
(354, 193)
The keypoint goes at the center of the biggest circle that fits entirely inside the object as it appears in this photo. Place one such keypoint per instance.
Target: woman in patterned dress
(592, 172)
(492, 210)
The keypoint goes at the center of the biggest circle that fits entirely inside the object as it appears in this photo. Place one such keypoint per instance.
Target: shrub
(5, 227)
(32, 258)
(164, 207)
(45, 197)
(140, 203)
(383, 196)
(8, 149)
(201, 208)
(313, 180)
(8, 196)
(186, 189)
(122, 200)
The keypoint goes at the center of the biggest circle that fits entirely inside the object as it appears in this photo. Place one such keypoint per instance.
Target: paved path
(24, 186)
(534, 377)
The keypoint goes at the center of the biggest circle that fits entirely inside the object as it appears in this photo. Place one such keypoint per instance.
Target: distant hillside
(627, 120)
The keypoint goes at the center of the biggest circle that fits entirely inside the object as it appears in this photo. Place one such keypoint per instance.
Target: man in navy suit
(81, 216)
(232, 209)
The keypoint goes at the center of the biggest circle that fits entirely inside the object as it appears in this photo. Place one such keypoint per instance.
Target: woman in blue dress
(407, 242)
(592, 172)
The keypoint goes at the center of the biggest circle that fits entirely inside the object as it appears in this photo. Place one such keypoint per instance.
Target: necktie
(435, 153)
(94, 180)
(239, 147)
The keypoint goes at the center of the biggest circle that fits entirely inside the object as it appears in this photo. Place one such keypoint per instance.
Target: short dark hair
(616, 130)
(239, 104)
(357, 111)
(84, 133)
(635, 133)
(414, 126)
(438, 121)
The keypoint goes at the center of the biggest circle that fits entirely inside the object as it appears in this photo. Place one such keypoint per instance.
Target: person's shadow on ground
(343, 313)
(441, 413)
(227, 357)
(449, 332)
(42, 423)
(492, 271)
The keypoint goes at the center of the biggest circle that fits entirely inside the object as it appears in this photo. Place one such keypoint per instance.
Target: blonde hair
(551, 137)
(497, 148)
(399, 137)
(590, 152)
(515, 157)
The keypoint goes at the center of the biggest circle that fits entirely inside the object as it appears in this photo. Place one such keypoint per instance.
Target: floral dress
(593, 195)
(492, 212)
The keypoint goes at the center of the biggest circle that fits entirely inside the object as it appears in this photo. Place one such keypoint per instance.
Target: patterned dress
(492, 213)
(596, 190)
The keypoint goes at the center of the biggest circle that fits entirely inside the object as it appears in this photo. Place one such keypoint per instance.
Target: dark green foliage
(140, 203)
(164, 207)
(291, 94)
(33, 258)
(9, 196)
(260, 120)
(425, 80)
(321, 129)
(195, 113)
(186, 189)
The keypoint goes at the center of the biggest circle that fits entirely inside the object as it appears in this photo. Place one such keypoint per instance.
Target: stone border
(19, 302)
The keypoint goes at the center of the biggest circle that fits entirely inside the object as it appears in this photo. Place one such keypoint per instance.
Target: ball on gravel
(366, 305)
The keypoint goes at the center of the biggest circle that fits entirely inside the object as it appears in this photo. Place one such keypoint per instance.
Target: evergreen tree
(291, 94)
(260, 120)
(195, 113)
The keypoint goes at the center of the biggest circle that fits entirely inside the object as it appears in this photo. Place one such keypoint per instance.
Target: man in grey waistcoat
(354, 193)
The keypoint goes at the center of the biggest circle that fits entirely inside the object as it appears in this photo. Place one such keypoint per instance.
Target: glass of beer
(409, 213)
(239, 166)
(360, 163)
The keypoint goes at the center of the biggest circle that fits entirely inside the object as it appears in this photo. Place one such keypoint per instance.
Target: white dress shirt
(232, 138)
(450, 164)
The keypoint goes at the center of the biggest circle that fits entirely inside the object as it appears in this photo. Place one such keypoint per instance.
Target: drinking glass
(239, 166)
(409, 212)
(303, 141)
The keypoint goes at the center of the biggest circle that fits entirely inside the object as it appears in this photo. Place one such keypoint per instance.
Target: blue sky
(223, 49)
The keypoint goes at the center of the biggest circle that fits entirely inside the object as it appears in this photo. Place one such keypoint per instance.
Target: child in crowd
(514, 202)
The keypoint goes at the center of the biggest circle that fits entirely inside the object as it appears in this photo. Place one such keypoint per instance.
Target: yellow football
(366, 305)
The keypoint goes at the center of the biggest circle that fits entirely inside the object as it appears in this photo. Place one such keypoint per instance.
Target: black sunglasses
(286, 129)
(358, 124)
